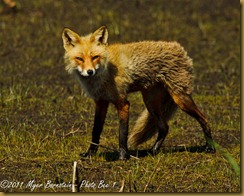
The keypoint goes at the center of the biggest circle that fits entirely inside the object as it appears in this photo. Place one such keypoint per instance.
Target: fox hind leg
(186, 103)
(161, 107)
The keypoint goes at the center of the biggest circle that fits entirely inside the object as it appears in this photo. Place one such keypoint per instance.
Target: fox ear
(100, 35)
(70, 39)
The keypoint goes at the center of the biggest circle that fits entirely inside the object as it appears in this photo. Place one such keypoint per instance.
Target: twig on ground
(71, 132)
(122, 186)
(75, 178)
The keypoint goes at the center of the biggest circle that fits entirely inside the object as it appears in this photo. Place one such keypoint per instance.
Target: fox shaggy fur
(161, 71)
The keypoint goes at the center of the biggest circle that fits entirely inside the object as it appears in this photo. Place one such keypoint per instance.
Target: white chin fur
(85, 74)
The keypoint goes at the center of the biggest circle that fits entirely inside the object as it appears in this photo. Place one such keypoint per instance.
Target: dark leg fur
(161, 106)
(186, 103)
(100, 115)
(162, 133)
(123, 112)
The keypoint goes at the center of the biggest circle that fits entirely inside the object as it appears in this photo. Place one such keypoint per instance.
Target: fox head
(85, 54)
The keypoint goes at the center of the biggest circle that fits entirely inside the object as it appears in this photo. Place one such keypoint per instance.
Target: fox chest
(97, 88)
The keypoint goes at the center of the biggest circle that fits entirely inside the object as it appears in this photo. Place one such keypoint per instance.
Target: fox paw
(90, 152)
(123, 155)
(209, 148)
(156, 148)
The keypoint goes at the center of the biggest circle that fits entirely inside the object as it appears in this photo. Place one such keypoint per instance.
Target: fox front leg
(123, 112)
(99, 119)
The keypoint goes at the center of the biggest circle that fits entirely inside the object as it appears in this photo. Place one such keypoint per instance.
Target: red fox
(160, 70)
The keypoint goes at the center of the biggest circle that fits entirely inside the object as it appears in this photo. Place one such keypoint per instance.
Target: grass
(46, 120)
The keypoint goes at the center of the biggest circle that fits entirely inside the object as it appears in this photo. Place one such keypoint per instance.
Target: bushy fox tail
(146, 125)
(144, 129)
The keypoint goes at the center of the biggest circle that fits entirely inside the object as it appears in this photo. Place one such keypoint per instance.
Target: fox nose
(90, 72)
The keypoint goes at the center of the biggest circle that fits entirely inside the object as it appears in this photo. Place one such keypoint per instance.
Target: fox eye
(95, 57)
(79, 58)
